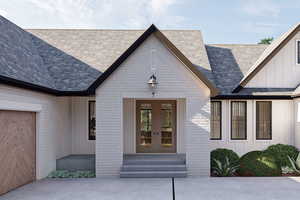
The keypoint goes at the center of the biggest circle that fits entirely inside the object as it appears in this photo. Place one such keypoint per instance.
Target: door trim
(176, 126)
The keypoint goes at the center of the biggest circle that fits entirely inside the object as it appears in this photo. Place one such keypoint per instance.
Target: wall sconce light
(152, 83)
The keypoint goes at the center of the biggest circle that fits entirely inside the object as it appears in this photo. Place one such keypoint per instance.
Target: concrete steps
(153, 166)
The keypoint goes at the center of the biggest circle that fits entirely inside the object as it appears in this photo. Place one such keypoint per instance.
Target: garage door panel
(17, 149)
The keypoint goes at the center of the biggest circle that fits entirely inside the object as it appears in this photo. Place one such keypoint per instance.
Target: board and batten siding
(282, 127)
(53, 124)
(129, 122)
(282, 71)
(80, 141)
(130, 81)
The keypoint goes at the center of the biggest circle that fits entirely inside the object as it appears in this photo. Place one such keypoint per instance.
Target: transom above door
(156, 126)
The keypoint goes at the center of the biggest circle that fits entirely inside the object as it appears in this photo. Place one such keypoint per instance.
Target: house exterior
(78, 92)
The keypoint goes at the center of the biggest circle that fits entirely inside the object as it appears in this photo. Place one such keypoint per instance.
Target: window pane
(166, 124)
(215, 122)
(146, 124)
(92, 121)
(238, 120)
(263, 120)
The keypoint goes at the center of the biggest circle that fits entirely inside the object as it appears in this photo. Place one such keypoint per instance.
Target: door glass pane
(166, 124)
(146, 124)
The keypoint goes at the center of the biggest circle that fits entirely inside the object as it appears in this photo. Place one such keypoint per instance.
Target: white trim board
(17, 106)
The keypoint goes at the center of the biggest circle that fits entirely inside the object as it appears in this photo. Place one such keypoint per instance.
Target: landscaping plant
(69, 174)
(258, 163)
(221, 155)
(224, 169)
(281, 152)
(295, 164)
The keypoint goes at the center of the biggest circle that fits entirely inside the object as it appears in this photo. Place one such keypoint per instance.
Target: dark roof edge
(275, 97)
(37, 88)
(123, 57)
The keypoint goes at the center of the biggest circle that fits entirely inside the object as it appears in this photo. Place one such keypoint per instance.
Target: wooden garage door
(17, 149)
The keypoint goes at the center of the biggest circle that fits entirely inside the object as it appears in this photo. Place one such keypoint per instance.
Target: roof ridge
(95, 29)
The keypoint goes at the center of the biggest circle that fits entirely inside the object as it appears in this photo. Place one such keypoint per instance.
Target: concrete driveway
(159, 189)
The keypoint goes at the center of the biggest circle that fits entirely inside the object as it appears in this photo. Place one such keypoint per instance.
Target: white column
(197, 136)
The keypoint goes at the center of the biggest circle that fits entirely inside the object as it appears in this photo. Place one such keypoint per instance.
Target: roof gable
(153, 30)
(267, 55)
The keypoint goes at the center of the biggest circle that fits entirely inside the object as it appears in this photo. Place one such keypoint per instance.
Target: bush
(281, 153)
(258, 163)
(224, 169)
(69, 174)
(220, 155)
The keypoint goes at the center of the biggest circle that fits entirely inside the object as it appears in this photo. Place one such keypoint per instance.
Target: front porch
(134, 165)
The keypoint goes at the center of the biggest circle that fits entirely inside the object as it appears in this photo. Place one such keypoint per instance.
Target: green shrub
(69, 174)
(258, 163)
(224, 169)
(220, 155)
(295, 164)
(281, 153)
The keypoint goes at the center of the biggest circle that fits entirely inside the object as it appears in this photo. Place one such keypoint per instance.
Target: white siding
(129, 125)
(281, 71)
(181, 117)
(282, 127)
(53, 124)
(130, 81)
(297, 122)
(80, 142)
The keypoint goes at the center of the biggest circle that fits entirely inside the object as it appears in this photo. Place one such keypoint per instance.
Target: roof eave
(270, 55)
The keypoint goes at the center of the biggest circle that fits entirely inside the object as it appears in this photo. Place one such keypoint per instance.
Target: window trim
(256, 125)
(231, 107)
(90, 137)
(220, 138)
(297, 52)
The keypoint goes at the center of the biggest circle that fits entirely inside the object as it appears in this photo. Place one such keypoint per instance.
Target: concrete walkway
(159, 189)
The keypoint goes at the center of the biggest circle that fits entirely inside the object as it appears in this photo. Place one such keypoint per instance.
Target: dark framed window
(238, 120)
(263, 120)
(92, 120)
(216, 120)
(298, 51)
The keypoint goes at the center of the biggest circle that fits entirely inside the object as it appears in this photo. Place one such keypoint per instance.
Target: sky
(220, 21)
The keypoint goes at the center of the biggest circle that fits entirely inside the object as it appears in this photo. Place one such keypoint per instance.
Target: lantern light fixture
(152, 82)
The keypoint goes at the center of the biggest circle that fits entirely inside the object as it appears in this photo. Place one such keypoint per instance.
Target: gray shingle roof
(19, 57)
(100, 48)
(72, 59)
(25, 57)
(230, 62)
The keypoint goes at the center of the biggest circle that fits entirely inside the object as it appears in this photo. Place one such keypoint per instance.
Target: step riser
(153, 175)
(153, 162)
(149, 168)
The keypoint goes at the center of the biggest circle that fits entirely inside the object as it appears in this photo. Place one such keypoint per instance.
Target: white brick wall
(80, 142)
(53, 124)
(130, 81)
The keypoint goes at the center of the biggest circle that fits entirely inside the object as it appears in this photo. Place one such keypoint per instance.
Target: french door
(156, 126)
